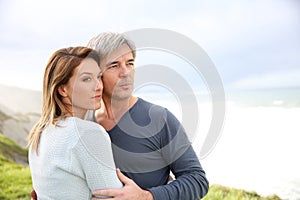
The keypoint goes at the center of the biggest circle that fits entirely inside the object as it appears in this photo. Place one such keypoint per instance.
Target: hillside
(19, 100)
(19, 111)
(13, 152)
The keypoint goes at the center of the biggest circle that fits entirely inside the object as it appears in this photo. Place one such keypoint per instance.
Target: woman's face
(84, 89)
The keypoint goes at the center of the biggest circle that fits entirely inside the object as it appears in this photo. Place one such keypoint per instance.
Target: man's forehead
(120, 53)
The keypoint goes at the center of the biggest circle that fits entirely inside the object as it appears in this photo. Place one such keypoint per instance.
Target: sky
(253, 44)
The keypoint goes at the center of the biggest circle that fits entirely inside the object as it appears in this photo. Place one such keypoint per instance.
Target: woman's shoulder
(90, 134)
(87, 126)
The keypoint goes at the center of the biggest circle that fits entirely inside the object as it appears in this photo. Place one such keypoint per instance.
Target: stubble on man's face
(118, 74)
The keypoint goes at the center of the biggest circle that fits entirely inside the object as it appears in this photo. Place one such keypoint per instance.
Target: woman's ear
(62, 91)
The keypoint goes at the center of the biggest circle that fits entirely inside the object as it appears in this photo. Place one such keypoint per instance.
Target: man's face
(118, 74)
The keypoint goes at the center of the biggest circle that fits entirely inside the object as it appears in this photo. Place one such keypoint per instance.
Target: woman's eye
(87, 79)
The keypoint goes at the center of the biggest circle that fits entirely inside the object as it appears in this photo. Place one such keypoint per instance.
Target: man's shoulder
(149, 105)
(145, 109)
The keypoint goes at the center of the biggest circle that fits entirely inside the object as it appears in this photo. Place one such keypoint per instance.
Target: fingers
(102, 197)
(111, 193)
(104, 194)
(33, 195)
(124, 179)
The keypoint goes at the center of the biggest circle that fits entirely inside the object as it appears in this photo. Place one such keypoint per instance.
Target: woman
(70, 157)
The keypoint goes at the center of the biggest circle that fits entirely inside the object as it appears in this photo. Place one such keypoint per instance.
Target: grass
(10, 150)
(218, 192)
(15, 179)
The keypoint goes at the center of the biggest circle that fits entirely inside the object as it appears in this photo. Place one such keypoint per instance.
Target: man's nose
(124, 70)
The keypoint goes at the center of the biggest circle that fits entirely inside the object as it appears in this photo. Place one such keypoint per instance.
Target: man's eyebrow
(116, 62)
(111, 63)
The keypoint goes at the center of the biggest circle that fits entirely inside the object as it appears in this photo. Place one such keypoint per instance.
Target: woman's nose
(99, 84)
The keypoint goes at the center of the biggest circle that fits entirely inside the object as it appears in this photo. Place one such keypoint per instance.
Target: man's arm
(130, 190)
(191, 182)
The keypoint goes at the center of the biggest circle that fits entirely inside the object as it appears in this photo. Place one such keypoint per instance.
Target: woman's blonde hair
(59, 70)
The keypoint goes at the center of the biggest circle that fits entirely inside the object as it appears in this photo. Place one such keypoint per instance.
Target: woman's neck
(79, 114)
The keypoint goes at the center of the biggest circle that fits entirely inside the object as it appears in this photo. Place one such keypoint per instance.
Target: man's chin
(122, 96)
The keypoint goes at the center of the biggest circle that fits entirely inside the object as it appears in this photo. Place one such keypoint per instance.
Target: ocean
(258, 148)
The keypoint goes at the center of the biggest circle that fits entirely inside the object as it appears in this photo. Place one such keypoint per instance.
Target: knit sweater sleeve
(93, 156)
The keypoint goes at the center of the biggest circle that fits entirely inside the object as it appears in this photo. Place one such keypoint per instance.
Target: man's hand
(33, 195)
(130, 191)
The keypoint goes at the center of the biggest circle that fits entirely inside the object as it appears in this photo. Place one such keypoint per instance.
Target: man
(148, 141)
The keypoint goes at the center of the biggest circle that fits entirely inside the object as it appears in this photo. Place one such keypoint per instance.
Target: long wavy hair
(59, 70)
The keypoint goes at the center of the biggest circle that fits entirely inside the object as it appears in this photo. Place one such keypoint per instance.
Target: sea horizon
(258, 147)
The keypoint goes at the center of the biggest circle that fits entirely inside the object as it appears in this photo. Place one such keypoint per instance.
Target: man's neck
(117, 108)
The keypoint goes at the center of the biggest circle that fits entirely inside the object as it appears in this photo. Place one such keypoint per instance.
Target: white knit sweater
(73, 160)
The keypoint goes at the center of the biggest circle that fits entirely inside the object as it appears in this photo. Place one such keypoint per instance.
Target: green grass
(10, 150)
(218, 192)
(15, 179)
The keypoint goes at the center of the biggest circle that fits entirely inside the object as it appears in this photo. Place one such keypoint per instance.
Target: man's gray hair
(107, 42)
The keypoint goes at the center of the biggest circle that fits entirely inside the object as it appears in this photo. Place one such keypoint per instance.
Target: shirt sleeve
(94, 157)
(191, 182)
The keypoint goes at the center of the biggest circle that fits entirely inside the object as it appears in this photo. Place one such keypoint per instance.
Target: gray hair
(107, 42)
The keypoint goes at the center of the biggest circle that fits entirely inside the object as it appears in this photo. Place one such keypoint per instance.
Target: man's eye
(112, 66)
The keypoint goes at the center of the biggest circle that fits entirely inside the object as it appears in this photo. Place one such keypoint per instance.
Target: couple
(73, 158)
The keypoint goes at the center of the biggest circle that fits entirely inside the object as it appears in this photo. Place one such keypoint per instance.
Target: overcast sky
(253, 43)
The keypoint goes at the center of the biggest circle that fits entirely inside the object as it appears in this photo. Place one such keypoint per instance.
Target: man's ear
(62, 91)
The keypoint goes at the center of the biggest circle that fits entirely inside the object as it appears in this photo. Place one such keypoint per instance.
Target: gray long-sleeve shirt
(148, 143)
